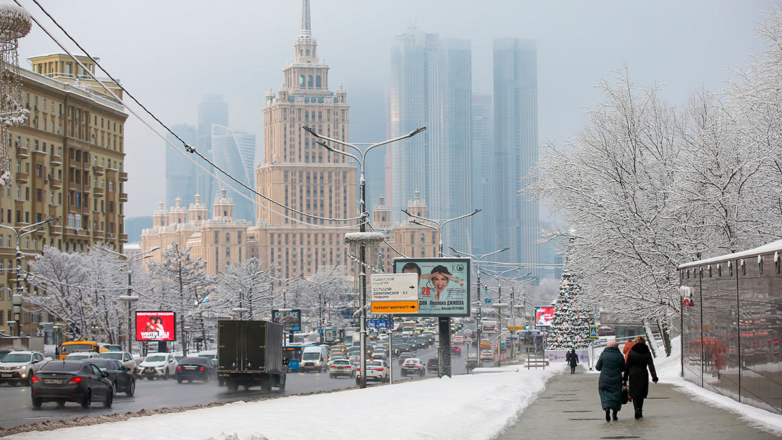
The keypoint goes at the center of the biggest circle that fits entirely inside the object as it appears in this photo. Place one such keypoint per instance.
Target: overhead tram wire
(189, 148)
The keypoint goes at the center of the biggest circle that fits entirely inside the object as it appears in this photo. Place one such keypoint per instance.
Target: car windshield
(16, 357)
(194, 360)
(374, 364)
(311, 356)
(208, 356)
(77, 357)
(61, 366)
(155, 359)
(115, 355)
(341, 363)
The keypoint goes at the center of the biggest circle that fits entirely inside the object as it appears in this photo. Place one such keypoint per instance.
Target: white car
(376, 370)
(125, 358)
(81, 355)
(157, 365)
(487, 355)
(18, 366)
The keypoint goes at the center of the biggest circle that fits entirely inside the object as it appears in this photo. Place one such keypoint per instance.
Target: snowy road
(17, 409)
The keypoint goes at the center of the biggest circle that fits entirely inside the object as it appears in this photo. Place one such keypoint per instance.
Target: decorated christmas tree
(570, 328)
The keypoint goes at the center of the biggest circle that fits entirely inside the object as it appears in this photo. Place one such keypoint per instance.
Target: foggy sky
(170, 53)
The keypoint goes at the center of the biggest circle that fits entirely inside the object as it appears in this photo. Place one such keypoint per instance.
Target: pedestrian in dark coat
(639, 359)
(611, 365)
(573, 361)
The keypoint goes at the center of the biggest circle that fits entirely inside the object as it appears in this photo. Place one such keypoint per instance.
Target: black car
(195, 368)
(71, 381)
(120, 376)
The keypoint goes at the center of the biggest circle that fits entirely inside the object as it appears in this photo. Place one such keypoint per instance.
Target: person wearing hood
(639, 359)
(611, 365)
(626, 349)
(573, 361)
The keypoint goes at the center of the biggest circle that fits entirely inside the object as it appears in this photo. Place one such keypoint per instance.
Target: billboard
(544, 316)
(443, 284)
(155, 326)
(289, 318)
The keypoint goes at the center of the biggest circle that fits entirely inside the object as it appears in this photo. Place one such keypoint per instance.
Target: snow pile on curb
(669, 371)
(470, 406)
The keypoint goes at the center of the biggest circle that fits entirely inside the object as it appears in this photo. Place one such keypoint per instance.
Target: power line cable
(189, 148)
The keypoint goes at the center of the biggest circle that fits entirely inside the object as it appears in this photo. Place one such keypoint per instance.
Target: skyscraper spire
(306, 25)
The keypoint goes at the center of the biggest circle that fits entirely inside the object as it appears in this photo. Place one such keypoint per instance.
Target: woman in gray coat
(611, 365)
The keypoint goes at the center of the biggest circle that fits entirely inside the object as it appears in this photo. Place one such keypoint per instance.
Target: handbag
(625, 393)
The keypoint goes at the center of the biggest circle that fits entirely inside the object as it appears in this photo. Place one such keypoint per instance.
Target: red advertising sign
(544, 316)
(155, 326)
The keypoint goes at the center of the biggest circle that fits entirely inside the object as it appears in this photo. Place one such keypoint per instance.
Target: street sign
(397, 307)
(320, 331)
(487, 300)
(395, 287)
(380, 324)
(593, 331)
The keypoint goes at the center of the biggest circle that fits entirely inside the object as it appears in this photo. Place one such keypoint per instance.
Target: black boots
(614, 416)
(639, 407)
(608, 415)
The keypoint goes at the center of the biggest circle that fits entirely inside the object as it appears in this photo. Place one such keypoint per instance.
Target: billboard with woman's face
(156, 326)
(443, 284)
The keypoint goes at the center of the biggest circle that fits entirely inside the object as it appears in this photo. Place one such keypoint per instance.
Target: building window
(239, 238)
(227, 254)
(317, 81)
(217, 237)
(227, 238)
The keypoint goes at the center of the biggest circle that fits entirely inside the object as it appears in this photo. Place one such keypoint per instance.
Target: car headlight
(23, 367)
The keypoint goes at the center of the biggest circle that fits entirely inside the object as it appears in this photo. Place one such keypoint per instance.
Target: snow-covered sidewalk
(476, 406)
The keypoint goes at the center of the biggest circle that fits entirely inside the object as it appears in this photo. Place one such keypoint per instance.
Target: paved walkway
(569, 408)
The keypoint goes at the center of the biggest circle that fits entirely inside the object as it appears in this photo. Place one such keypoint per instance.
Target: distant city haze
(172, 54)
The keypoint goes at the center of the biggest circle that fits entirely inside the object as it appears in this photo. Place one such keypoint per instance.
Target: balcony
(97, 235)
(123, 177)
(22, 177)
(55, 183)
(73, 186)
(40, 152)
(22, 152)
(123, 197)
(123, 238)
(56, 160)
(99, 170)
(98, 192)
(56, 229)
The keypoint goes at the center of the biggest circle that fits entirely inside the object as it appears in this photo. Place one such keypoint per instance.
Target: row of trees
(83, 289)
(645, 186)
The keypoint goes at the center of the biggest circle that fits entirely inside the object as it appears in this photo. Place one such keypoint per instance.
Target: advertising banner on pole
(155, 326)
(443, 284)
(544, 316)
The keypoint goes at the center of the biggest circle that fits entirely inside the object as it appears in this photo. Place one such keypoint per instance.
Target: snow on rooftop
(775, 246)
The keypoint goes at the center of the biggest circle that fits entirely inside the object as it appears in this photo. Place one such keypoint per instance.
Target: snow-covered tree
(570, 328)
(248, 286)
(81, 290)
(181, 283)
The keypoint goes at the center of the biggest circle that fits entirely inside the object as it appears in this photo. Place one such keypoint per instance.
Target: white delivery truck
(315, 358)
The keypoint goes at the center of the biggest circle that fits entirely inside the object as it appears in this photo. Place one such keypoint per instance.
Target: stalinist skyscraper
(301, 174)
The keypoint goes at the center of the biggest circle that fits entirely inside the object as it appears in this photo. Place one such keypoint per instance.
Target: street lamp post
(444, 322)
(477, 260)
(362, 226)
(130, 299)
(17, 298)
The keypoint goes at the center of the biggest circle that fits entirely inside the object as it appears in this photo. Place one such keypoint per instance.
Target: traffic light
(486, 289)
